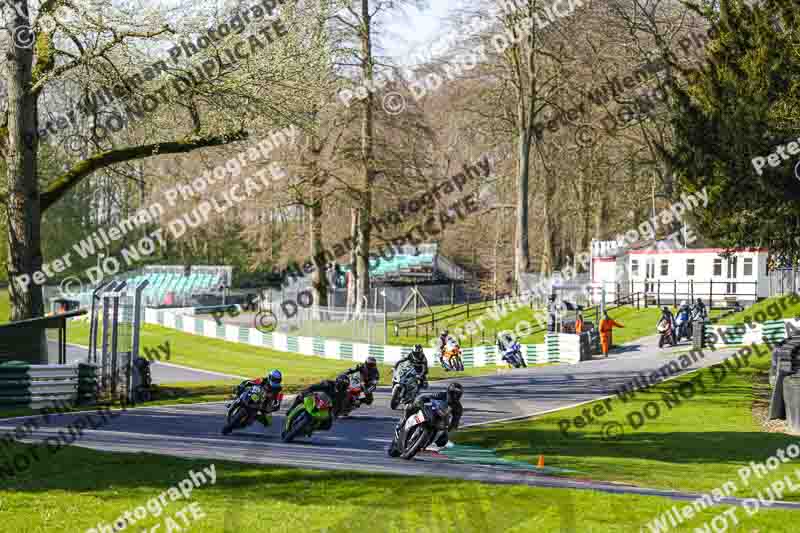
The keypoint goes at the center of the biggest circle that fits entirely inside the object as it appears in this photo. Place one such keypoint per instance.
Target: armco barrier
(37, 386)
(558, 348)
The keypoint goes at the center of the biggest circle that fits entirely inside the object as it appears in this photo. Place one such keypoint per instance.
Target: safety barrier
(37, 386)
(558, 347)
(739, 334)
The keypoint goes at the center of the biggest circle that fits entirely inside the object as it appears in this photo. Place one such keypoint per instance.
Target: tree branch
(56, 190)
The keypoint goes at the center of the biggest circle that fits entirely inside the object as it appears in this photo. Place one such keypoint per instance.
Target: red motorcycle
(353, 398)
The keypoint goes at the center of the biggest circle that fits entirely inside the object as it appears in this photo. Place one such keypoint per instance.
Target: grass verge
(85, 487)
(696, 442)
(777, 307)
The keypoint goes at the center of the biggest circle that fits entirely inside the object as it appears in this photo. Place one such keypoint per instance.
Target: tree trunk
(351, 286)
(319, 278)
(24, 209)
(522, 258)
(367, 131)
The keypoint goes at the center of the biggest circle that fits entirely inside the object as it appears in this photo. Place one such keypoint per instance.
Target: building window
(635, 268)
(718, 267)
(748, 266)
(690, 267)
(665, 267)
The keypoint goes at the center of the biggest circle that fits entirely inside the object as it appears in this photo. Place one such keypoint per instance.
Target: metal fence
(784, 281)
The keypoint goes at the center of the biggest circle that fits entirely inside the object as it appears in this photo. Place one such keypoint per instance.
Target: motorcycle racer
(453, 398)
(420, 363)
(272, 385)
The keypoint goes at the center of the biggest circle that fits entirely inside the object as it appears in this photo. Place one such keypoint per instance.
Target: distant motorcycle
(513, 355)
(667, 335)
(451, 357)
(405, 384)
(420, 430)
(243, 410)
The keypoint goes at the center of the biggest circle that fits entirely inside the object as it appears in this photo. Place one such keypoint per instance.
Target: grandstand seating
(411, 262)
(166, 280)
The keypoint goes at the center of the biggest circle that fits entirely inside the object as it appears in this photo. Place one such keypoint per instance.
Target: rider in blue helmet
(272, 384)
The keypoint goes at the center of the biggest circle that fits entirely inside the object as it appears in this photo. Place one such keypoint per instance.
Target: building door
(649, 274)
(731, 285)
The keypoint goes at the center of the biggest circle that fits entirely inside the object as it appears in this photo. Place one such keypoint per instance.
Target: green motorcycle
(311, 415)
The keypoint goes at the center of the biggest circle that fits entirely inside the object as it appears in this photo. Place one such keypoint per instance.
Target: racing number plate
(418, 418)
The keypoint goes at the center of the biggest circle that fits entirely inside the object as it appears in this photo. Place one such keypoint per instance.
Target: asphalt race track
(359, 442)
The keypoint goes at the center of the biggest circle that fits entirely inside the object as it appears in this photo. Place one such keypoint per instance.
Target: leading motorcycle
(420, 430)
(314, 414)
(405, 384)
(243, 410)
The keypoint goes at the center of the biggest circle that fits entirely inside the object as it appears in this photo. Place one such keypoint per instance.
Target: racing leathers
(272, 399)
(456, 409)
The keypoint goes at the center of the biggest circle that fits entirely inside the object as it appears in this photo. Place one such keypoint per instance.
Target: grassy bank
(695, 444)
(53, 497)
(777, 307)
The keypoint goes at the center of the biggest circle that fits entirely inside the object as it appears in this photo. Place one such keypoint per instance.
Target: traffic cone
(541, 461)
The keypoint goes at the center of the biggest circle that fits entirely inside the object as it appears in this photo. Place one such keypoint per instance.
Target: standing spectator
(552, 309)
(579, 324)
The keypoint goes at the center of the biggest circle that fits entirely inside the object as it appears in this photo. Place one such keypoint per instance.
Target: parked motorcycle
(420, 430)
(513, 355)
(405, 384)
(243, 410)
(451, 357)
(664, 328)
(314, 414)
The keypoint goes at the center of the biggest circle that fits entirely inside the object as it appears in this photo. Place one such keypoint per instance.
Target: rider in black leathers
(336, 390)
(453, 398)
(420, 363)
(370, 376)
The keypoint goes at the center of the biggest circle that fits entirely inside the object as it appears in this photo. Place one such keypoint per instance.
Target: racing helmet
(417, 355)
(342, 383)
(454, 392)
(445, 333)
(371, 362)
(275, 379)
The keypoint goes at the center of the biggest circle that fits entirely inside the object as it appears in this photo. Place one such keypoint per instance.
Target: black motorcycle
(420, 430)
(243, 410)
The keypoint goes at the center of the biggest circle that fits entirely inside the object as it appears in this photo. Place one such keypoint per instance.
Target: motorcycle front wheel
(416, 442)
(397, 394)
(298, 426)
(235, 420)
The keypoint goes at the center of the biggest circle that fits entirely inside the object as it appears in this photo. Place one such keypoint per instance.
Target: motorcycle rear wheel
(419, 439)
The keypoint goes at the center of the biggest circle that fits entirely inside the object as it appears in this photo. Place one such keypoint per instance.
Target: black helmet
(418, 355)
(699, 301)
(371, 362)
(454, 392)
(342, 383)
(665, 309)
